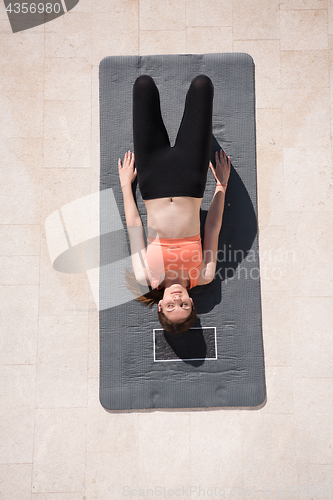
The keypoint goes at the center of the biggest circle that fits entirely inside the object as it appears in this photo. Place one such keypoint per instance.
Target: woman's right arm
(127, 174)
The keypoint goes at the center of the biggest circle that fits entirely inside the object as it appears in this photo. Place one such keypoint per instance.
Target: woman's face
(176, 303)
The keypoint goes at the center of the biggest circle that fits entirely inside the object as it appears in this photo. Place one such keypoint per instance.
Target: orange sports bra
(174, 253)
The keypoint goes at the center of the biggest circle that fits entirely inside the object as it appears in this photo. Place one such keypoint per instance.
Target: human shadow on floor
(238, 231)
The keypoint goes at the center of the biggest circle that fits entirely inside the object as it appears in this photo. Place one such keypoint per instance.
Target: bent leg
(195, 131)
(149, 131)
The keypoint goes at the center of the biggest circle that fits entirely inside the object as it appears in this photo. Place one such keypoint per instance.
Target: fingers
(220, 156)
(128, 158)
(223, 156)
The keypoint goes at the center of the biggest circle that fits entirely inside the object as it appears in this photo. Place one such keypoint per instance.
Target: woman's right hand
(222, 170)
(127, 172)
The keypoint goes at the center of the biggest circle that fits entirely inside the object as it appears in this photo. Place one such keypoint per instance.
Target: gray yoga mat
(220, 362)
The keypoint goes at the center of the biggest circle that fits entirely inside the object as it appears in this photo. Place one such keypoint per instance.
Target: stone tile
(67, 134)
(285, 492)
(306, 117)
(122, 38)
(19, 324)
(268, 450)
(3, 13)
(216, 438)
(276, 328)
(17, 239)
(21, 115)
(112, 475)
(308, 179)
(303, 29)
(113, 6)
(95, 171)
(22, 62)
(59, 450)
(313, 395)
(270, 188)
(17, 386)
(255, 20)
(170, 432)
(162, 42)
(162, 15)
(17, 432)
(110, 431)
(266, 491)
(95, 110)
(93, 346)
(4, 25)
(62, 362)
(266, 56)
(61, 186)
(310, 270)
(273, 258)
(316, 480)
(95, 133)
(269, 130)
(20, 200)
(19, 270)
(16, 481)
(58, 496)
(279, 390)
(303, 4)
(330, 17)
(208, 40)
(270, 167)
(62, 293)
(67, 79)
(331, 84)
(209, 13)
(314, 438)
(312, 344)
(304, 68)
(82, 6)
(70, 36)
(330, 52)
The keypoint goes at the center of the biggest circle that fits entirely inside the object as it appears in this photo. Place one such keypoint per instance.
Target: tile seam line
(34, 440)
(139, 47)
(87, 313)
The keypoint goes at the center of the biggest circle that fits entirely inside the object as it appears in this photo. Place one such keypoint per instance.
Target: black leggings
(180, 170)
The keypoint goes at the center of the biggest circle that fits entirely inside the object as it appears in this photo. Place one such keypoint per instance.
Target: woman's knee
(144, 82)
(202, 82)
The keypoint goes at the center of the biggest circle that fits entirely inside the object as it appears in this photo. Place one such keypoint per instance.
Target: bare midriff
(176, 217)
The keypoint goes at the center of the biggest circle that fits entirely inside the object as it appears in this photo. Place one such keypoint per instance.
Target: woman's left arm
(211, 236)
(214, 217)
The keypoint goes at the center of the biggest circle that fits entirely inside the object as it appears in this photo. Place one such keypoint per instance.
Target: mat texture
(222, 363)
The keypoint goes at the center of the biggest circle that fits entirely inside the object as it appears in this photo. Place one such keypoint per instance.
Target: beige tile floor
(57, 442)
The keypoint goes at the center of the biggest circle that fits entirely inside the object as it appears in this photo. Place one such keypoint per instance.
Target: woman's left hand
(127, 172)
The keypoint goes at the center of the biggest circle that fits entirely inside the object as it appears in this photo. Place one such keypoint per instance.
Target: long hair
(153, 297)
(149, 298)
